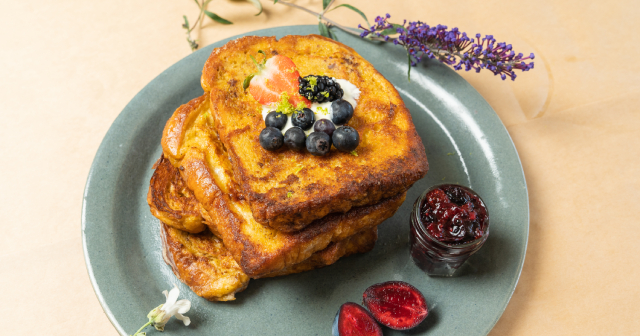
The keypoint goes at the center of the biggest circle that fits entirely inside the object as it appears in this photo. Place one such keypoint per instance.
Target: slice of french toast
(288, 190)
(171, 201)
(204, 165)
(203, 263)
(259, 250)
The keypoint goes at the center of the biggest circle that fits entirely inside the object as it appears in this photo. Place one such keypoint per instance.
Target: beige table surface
(69, 67)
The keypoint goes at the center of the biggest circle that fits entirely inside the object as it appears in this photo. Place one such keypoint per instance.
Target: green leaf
(275, 1)
(217, 18)
(325, 3)
(391, 31)
(355, 10)
(186, 22)
(257, 4)
(247, 81)
(324, 31)
(331, 34)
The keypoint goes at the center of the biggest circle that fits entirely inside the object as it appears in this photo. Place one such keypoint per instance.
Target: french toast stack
(232, 211)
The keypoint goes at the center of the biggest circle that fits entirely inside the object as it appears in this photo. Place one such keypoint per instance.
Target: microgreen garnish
(354, 153)
(284, 106)
(298, 170)
(289, 194)
(313, 81)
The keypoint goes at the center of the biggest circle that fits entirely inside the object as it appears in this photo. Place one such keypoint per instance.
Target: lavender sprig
(450, 47)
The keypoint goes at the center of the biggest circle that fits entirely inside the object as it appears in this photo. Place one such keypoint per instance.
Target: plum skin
(375, 328)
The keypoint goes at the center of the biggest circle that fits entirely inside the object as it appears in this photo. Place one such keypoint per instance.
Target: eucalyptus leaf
(355, 10)
(324, 31)
(186, 22)
(215, 17)
(325, 3)
(331, 34)
(257, 4)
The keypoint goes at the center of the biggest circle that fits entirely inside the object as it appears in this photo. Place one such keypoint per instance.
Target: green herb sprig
(202, 5)
(325, 24)
(451, 47)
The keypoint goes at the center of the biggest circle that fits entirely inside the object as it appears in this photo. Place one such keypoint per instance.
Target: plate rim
(102, 148)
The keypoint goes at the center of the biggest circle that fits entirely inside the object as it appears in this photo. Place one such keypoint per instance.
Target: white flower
(161, 314)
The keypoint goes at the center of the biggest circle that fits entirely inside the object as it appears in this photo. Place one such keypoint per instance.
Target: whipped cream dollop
(324, 110)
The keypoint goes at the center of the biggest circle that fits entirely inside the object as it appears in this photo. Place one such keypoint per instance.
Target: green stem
(321, 15)
(201, 7)
(144, 326)
(328, 6)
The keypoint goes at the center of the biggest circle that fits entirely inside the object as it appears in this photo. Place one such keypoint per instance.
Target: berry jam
(449, 223)
(453, 215)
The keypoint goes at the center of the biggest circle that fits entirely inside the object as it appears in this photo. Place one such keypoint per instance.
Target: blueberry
(295, 138)
(318, 143)
(342, 111)
(275, 119)
(271, 138)
(324, 125)
(303, 118)
(345, 138)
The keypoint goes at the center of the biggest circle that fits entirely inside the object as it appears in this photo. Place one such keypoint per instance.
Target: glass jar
(438, 258)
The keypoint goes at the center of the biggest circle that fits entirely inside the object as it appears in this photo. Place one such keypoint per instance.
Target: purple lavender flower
(450, 47)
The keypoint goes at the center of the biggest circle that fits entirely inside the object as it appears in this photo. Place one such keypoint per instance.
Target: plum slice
(396, 304)
(353, 320)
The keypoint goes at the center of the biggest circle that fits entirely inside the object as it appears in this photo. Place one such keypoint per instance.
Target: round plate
(465, 141)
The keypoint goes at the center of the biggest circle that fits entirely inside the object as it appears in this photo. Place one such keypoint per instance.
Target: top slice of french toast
(294, 188)
(199, 162)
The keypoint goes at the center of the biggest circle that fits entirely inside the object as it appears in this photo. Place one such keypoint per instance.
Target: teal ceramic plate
(465, 142)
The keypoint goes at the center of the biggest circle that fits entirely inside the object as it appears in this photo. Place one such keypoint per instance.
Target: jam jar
(449, 223)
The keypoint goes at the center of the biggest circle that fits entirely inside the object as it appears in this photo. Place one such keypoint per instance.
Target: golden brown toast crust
(287, 190)
(202, 262)
(171, 201)
(361, 242)
(261, 250)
